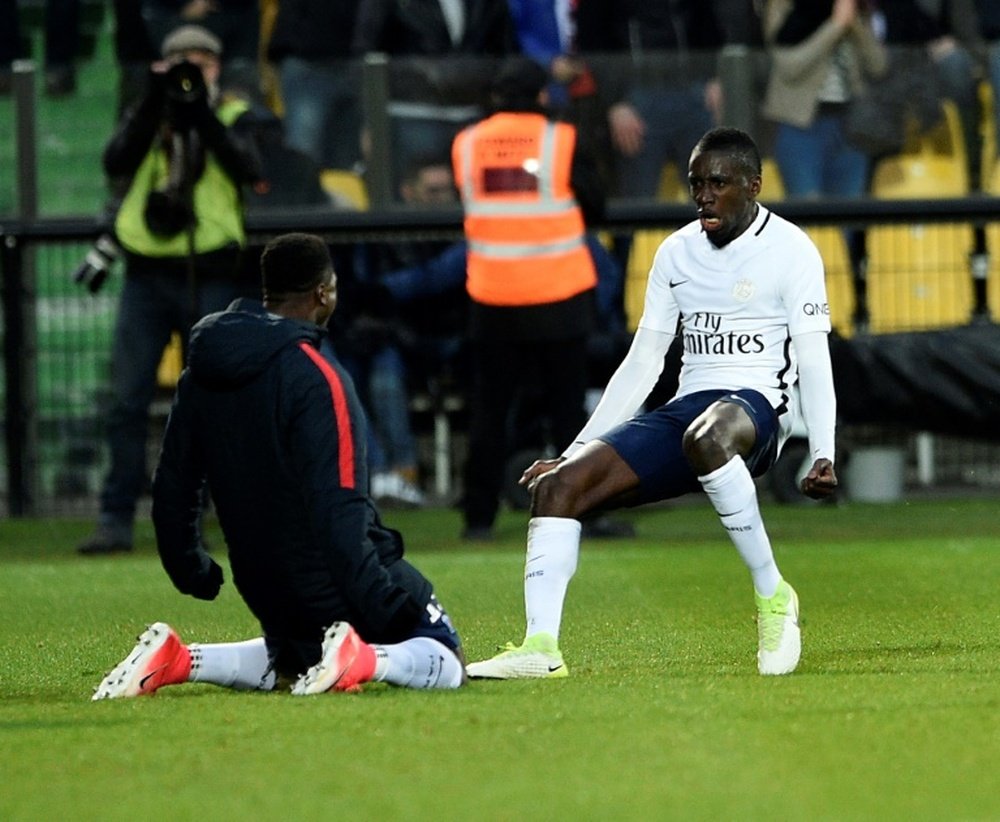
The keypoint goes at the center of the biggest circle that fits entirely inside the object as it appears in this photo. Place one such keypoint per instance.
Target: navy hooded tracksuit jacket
(275, 427)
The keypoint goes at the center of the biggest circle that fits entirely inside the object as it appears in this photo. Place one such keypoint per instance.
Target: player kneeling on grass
(266, 417)
(745, 290)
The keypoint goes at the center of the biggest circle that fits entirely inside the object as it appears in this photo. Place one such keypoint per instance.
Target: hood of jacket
(232, 347)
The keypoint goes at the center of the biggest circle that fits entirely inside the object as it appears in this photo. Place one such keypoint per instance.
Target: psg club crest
(743, 290)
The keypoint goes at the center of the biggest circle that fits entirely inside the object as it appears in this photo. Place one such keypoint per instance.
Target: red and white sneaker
(159, 658)
(346, 662)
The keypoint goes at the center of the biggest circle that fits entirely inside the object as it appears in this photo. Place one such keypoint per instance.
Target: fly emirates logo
(704, 334)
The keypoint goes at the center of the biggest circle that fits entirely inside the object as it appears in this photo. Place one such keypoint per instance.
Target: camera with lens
(185, 84)
(96, 266)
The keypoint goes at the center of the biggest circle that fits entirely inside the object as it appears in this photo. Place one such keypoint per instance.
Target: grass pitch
(893, 713)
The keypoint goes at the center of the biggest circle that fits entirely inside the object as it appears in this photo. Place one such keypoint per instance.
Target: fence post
(737, 75)
(375, 106)
(20, 499)
(21, 339)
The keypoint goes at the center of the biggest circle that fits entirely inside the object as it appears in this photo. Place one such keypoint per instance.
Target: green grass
(893, 714)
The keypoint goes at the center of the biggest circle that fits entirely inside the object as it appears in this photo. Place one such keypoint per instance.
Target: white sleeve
(628, 387)
(819, 402)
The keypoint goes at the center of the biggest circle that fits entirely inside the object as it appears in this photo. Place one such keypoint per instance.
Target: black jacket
(663, 42)
(425, 66)
(275, 428)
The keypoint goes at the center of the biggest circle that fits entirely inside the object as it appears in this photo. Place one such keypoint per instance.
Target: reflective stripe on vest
(526, 241)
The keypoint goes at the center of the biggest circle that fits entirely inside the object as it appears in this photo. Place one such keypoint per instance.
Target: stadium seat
(671, 189)
(772, 186)
(918, 275)
(171, 364)
(933, 163)
(640, 258)
(345, 187)
(993, 247)
(988, 133)
(839, 282)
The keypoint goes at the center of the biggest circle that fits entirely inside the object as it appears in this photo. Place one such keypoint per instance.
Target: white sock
(734, 497)
(553, 550)
(245, 666)
(420, 662)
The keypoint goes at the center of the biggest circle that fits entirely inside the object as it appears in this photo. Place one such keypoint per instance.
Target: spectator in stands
(289, 178)
(134, 51)
(546, 32)
(532, 311)
(62, 40)
(823, 54)
(235, 22)
(311, 45)
(401, 322)
(425, 281)
(946, 31)
(654, 66)
(184, 158)
(655, 70)
(440, 66)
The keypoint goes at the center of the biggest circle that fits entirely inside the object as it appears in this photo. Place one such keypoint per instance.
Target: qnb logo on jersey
(816, 309)
(732, 343)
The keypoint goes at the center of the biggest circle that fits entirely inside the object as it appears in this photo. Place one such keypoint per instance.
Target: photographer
(180, 160)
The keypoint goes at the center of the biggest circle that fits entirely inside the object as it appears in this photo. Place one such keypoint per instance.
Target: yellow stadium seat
(772, 187)
(993, 247)
(345, 186)
(671, 189)
(839, 281)
(918, 275)
(171, 364)
(640, 258)
(988, 131)
(932, 163)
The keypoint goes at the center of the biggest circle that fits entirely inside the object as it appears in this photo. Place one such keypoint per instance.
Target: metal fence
(57, 335)
(932, 261)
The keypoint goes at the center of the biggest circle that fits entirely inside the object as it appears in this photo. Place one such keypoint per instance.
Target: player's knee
(553, 495)
(704, 446)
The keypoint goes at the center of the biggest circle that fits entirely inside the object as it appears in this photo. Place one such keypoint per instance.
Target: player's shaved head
(736, 143)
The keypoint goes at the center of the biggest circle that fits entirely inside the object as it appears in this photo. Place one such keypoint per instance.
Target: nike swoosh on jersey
(675, 283)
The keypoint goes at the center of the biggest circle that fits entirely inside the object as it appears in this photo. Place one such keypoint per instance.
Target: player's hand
(821, 481)
(208, 583)
(536, 469)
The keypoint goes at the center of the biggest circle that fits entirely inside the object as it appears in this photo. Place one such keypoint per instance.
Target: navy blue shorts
(436, 624)
(651, 443)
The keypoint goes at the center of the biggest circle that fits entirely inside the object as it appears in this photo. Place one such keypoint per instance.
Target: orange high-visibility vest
(523, 226)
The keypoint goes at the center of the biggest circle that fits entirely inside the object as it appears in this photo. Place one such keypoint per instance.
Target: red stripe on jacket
(345, 440)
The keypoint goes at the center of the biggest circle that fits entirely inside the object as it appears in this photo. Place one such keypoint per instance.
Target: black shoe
(478, 533)
(60, 81)
(107, 540)
(605, 528)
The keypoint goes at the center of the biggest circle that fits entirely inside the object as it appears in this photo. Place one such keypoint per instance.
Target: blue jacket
(272, 423)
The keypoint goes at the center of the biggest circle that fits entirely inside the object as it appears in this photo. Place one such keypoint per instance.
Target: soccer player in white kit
(745, 290)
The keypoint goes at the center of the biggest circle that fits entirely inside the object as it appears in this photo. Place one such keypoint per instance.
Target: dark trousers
(547, 375)
(62, 32)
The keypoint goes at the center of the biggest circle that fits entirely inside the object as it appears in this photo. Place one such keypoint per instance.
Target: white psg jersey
(739, 305)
